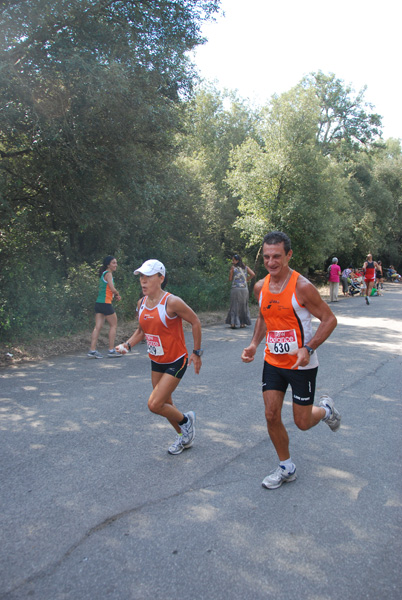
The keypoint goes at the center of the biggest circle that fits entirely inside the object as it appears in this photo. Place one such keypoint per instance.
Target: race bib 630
(282, 342)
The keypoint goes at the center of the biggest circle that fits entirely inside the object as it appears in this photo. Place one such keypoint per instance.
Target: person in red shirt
(287, 303)
(160, 316)
(369, 269)
(334, 271)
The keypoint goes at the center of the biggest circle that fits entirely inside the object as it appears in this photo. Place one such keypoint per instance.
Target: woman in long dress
(240, 275)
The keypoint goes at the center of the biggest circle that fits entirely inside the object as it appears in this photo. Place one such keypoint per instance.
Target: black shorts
(103, 308)
(302, 382)
(176, 369)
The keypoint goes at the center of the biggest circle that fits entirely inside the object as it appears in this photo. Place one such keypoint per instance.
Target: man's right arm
(260, 332)
(257, 289)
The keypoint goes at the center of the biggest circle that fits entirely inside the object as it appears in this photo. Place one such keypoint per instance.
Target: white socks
(288, 465)
(327, 413)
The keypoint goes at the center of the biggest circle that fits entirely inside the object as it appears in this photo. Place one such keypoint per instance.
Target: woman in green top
(104, 309)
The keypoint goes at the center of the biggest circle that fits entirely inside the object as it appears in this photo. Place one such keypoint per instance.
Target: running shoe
(334, 419)
(281, 475)
(94, 354)
(177, 447)
(114, 354)
(188, 429)
(367, 300)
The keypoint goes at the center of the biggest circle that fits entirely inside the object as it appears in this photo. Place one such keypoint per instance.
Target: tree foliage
(346, 122)
(216, 123)
(90, 93)
(284, 182)
(318, 170)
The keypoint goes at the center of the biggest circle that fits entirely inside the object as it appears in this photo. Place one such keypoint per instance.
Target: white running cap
(151, 267)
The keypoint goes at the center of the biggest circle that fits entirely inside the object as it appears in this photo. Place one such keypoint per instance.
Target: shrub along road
(94, 507)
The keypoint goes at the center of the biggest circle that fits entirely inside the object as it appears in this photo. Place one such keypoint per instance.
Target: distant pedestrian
(104, 309)
(334, 272)
(287, 303)
(344, 279)
(240, 275)
(379, 276)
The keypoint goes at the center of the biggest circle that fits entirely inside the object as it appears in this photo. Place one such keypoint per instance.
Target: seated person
(393, 274)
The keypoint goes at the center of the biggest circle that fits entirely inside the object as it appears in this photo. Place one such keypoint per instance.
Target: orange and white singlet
(288, 325)
(164, 334)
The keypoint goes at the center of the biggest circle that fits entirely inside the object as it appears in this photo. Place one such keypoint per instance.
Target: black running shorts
(302, 382)
(177, 368)
(104, 308)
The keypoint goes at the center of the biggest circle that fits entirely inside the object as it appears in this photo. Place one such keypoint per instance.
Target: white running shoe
(281, 475)
(186, 439)
(177, 447)
(334, 419)
(188, 429)
(94, 354)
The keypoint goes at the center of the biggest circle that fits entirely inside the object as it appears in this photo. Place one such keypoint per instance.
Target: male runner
(287, 302)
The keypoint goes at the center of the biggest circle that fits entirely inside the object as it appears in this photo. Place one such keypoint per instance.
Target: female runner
(160, 317)
(104, 309)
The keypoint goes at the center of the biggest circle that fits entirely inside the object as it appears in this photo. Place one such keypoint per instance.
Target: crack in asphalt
(51, 568)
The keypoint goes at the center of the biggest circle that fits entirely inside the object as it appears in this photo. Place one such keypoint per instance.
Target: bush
(202, 290)
(38, 301)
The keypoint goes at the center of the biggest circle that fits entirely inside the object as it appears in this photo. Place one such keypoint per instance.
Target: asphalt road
(93, 507)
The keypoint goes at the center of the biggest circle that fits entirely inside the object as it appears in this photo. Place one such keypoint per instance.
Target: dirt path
(40, 349)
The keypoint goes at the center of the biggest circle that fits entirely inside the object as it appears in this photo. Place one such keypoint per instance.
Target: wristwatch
(309, 350)
(198, 352)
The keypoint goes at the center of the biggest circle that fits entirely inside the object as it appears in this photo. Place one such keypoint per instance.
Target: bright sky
(265, 47)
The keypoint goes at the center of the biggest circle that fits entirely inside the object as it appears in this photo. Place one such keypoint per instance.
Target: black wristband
(129, 346)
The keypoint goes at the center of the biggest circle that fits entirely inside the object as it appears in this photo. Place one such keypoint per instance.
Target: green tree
(216, 123)
(388, 173)
(90, 92)
(346, 122)
(374, 183)
(284, 182)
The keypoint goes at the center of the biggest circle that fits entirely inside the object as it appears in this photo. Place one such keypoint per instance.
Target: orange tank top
(164, 334)
(288, 325)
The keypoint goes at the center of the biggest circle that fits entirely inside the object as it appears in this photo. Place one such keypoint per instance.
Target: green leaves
(286, 183)
(90, 112)
(89, 115)
(346, 124)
